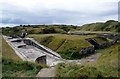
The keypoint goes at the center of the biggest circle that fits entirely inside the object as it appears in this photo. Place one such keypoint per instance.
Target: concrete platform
(30, 53)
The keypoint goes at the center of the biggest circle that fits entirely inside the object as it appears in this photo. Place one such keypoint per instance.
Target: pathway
(47, 72)
(50, 72)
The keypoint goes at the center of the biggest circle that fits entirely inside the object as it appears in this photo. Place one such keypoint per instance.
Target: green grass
(38, 29)
(109, 25)
(13, 66)
(101, 40)
(63, 44)
(67, 46)
(8, 52)
(0, 45)
(0, 53)
(105, 66)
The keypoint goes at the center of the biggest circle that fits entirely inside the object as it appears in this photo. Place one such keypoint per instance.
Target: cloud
(57, 11)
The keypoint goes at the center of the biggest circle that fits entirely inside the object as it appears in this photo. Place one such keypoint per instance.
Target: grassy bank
(63, 44)
(105, 66)
(11, 68)
(0, 52)
(8, 52)
(67, 46)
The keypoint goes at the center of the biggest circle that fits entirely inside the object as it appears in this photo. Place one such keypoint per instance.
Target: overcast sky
(77, 12)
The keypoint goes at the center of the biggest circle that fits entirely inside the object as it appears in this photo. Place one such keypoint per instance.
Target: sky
(73, 12)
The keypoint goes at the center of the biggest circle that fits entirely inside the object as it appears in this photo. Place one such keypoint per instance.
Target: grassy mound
(67, 46)
(109, 25)
(105, 66)
(64, 44)
(8, 52)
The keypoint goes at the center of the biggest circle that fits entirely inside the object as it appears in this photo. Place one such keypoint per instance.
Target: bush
(66, 29)
(31, 32)
(48, 30)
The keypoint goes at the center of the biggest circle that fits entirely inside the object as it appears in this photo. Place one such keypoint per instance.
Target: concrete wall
(30, 42)
(41, 60)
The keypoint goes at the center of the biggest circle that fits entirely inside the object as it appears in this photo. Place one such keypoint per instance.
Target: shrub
(48, 30)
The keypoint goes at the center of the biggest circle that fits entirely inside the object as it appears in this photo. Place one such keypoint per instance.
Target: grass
(38, 29)
(101, 40)
(8, 52)
(63, 44)
(105, 66)
(0, 53)
(67, 46)
(13, 66)
(110, 25)
(0, 45)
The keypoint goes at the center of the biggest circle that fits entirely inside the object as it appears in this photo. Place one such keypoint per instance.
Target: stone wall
(87, 50)
(93, 48)
(93, 42)
(114, 37)
(107, 44)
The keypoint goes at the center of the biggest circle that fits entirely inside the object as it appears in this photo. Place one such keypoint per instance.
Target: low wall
(93, 42)
(114, 37)
(92, 49)
(87, 50)
(30, 42)
(107, 44)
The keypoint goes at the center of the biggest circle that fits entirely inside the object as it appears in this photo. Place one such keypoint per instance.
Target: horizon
(13, 25)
